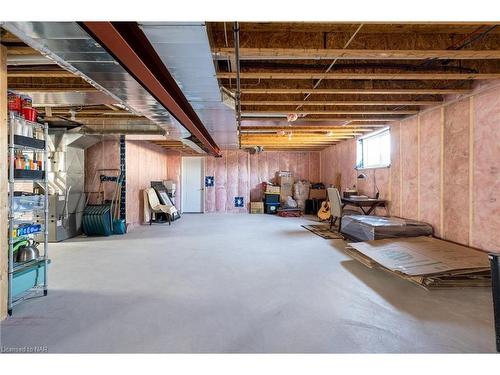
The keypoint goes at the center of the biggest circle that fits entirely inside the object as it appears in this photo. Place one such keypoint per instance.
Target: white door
(192, 184)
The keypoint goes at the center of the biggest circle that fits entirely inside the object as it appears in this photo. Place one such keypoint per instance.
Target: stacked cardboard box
(285, 181)
(256, 207)
(426, 261)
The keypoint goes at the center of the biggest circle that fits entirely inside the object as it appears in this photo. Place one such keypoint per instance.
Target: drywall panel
(486, 175)
(409, 168)
(456, 172)
(430, 169)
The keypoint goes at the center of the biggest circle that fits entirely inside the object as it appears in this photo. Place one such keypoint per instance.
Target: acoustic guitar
(324, 211)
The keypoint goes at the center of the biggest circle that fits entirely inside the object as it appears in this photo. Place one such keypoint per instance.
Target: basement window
(374, 150)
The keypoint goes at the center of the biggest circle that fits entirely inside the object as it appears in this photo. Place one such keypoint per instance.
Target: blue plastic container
(28, 278)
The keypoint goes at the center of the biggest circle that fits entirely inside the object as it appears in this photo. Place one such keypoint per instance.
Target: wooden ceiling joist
(279, 91)
(39, 74)
(307, 112)
(352, 54)
(358, 76)
(347, 128)
(340, 103)
(327, 121)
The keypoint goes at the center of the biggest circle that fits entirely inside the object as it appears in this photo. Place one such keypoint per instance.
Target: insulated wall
(145, 162)
(239, 174)
(444, 169)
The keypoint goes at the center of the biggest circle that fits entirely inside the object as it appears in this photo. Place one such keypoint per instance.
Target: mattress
(368, 228)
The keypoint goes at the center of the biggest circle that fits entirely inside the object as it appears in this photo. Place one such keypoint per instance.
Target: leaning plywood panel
(430, 169)
(486, 177)
(456, 172)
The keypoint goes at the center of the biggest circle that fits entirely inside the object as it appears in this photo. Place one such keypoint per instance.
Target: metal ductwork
(128, 44)
(68, 45)
(184, 49)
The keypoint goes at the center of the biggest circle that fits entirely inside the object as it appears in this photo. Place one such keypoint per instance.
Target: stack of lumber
(428, 262)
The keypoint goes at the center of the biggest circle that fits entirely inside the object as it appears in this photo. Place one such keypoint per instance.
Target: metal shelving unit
(14, 268)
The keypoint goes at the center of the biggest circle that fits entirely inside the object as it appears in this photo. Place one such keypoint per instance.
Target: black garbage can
(495, 287)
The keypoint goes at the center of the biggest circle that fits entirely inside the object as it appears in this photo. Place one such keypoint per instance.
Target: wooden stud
(441, 173)
(471, 170)
(418, 167)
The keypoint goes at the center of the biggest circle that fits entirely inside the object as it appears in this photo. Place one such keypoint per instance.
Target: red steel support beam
(126, 42)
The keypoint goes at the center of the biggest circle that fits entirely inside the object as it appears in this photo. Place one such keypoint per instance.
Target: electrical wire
(331, 65)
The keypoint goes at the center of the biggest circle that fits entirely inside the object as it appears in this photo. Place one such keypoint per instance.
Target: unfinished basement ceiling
(185, 50)
(337, 81)
(74, 50)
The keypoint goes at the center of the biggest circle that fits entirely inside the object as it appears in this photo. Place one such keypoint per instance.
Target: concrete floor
(238, 283)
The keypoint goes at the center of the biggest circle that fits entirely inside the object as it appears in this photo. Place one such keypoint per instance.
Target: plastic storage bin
(28, 278)
(271, 208)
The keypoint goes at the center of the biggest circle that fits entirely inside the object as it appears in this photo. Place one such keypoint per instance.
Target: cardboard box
(317, 194)
(285, 180)
(256, 207)
(273, 189)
